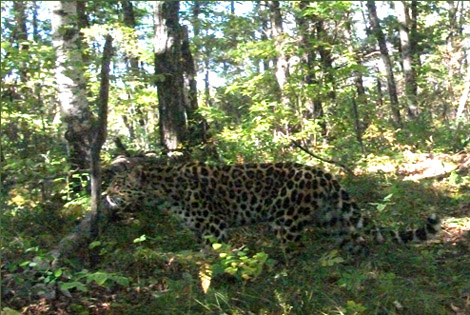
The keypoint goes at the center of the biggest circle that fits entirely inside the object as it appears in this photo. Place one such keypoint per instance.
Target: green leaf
(99, 277)
(73, 285)
(94, 244)
(9, 311)
(58, 273)
(25, 263)
(123, 281)
(140, 239)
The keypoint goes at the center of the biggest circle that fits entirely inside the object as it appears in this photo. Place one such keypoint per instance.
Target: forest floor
(151, 265)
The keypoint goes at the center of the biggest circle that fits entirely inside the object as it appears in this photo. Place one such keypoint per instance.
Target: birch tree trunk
(411, 88)
(73, 102)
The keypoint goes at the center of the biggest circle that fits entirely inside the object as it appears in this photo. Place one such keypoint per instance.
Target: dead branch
(339, 164)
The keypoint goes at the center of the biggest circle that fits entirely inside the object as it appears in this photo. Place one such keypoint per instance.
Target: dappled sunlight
(382, 166)
(418, 166)
(318, 145)
(455, 229)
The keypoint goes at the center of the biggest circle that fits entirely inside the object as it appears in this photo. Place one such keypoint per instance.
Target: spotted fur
(211, 199)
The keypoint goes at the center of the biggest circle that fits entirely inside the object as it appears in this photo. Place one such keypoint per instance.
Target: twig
(346, 169)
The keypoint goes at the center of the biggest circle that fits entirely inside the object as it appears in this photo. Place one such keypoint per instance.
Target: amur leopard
(211, 199)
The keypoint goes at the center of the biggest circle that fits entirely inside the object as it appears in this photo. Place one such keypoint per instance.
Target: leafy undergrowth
(151, 265)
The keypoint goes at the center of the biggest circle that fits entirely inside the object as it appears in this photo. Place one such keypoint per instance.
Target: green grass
(168, 272)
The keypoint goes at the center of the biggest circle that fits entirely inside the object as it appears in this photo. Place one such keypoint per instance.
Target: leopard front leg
(206, 225)
(345, 220)
(213, 227)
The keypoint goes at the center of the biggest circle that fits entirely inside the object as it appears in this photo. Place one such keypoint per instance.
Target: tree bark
(83, 22)
(379, 35)
(411, 88)
(326, 59)
(35, 22)
(262, 15)
(20, 31)
(196, 123)
(88, 229)
(359, 83)
(169, 72)
(306, 32)
(205, 52)
(282, 65)
(74, 106)
(99, 136)
(464, 97)
(414, 33)
(21, 35)
(380, 95)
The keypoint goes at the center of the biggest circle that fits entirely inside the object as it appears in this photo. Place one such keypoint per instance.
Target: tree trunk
(21, 32)
(74, 106)
(282, 66)
(411, 87)
(379, 35)
(169, 72)
(87, 229)
(99, 136)
(464, 97)
(196, 123)
(380, 95)
(306, 32)
(35, 22)
(326, 60)
(359, 83)
(83, 22)
(414, 33)
(21, 35)
(262, 15)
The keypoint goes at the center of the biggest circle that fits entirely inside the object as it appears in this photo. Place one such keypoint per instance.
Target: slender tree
(129, 21)
(282, 65)
(73, 102)
(35, 7)
(326, 58)
(414, 33)
(99, 135)
(306, 32)
(379, 35)
(411, 87)
(21, 35)
(359, 84)
(203, 49)
(261, 12)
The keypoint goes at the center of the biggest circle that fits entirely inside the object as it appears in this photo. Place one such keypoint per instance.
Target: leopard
(211, 199)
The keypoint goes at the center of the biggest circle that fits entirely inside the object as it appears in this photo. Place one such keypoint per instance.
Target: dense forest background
(375, 90)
